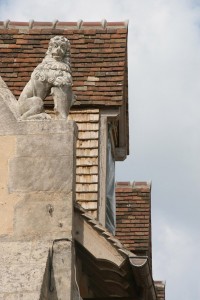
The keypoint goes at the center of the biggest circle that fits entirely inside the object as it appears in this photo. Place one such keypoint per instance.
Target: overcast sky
(164, 101)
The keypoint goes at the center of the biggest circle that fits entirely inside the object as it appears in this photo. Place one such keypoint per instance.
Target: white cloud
(65, 10)
(177, 260)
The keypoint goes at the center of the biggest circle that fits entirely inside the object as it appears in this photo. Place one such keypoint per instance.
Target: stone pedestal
(37, 191)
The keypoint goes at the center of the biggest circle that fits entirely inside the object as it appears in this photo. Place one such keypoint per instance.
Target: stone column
(37, 191)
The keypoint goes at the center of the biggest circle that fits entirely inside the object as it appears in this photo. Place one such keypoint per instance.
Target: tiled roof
(98, 56)
(133, 216)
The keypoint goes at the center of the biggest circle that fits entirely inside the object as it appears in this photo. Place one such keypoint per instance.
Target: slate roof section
(133, 216)
(98, 57)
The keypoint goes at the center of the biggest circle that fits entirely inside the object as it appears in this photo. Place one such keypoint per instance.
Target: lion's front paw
(41, 116)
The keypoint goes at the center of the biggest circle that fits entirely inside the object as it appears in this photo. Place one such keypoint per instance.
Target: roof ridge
(132, 184)
(160, 282)
(56, 24)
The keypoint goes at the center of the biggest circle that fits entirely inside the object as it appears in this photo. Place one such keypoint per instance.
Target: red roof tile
(133, 216)
(98, 56)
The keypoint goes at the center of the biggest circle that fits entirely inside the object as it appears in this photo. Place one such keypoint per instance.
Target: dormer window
(110, 186)
(106, 203)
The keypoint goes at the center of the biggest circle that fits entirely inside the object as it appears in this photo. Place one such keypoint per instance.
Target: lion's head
(59, 49)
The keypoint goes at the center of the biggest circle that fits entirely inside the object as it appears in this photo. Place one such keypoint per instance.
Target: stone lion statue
(51, 76)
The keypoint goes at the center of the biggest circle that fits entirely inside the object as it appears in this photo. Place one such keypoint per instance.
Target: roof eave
(139, 264)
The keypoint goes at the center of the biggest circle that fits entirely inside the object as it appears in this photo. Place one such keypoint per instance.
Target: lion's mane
(57, 73)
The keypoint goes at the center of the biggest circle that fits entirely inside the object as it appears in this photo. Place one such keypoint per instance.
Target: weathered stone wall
(37, 184)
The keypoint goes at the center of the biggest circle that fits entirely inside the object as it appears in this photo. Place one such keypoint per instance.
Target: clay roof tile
(98, 57)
